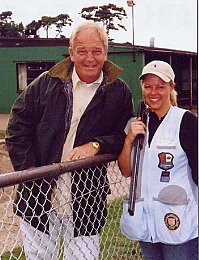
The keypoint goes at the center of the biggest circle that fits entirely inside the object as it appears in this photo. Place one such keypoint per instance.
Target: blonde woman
(166, 213)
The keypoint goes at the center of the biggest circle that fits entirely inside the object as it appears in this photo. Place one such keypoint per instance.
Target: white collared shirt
(82, 96)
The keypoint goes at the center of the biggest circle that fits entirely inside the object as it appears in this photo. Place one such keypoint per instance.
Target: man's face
(88, 55)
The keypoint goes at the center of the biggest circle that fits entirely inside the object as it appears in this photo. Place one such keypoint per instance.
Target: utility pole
(131, 4)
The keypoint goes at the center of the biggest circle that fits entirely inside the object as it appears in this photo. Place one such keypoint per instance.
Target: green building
(22, 60)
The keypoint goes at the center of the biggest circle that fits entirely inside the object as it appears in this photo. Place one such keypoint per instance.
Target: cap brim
(160, 75)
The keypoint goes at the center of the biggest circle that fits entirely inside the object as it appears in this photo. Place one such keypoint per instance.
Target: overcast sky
(172, 23)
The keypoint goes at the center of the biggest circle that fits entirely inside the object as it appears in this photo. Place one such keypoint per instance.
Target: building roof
(32, 42)
(36, 42)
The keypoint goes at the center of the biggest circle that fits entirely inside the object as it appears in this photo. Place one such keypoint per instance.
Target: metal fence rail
(113, 245)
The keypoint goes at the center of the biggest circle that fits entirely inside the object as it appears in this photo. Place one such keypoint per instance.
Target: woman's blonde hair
(173, 98)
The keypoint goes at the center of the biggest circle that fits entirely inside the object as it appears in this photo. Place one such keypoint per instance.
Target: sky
(172, 23)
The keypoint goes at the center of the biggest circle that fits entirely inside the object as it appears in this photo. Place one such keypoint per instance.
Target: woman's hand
(124, 160)
(136, 127)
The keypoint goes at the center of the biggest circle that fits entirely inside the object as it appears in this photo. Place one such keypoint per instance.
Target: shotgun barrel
(137, 146)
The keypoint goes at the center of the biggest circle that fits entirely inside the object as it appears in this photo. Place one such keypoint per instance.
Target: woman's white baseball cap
(159, 68)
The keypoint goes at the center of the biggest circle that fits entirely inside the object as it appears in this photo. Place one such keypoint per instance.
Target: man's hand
(80, 152)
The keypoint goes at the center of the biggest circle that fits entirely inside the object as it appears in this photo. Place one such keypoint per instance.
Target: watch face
(95, 145)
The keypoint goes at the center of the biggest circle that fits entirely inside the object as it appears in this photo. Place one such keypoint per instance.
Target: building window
(28, 71)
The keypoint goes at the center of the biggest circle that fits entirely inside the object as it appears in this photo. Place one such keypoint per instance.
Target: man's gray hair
(93, 26)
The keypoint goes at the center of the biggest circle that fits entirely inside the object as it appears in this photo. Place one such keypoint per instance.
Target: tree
(62, 20)
(107, 14)
(47, 21)
(32, 28)
(34, 25)
(9, 28)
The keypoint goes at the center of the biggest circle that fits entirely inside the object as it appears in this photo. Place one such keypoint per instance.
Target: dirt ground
(5, 163)
(9, 233)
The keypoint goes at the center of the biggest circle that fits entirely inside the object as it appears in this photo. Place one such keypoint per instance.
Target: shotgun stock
(137, 146)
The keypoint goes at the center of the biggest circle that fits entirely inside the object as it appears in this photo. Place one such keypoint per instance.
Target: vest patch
(172, 221)
(165, 161)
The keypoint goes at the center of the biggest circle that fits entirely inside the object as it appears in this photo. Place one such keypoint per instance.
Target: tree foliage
(110, 15)
(62, 20)
(9, 28)
(47, 22)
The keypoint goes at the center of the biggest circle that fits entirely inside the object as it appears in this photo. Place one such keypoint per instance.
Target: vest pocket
(173, 223)
(134, 227)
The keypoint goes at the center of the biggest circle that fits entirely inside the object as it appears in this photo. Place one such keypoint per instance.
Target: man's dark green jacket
(38, 127)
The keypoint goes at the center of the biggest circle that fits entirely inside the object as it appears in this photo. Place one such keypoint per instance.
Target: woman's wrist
(128, 142)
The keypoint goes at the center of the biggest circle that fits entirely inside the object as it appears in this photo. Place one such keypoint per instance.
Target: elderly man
(75, 110)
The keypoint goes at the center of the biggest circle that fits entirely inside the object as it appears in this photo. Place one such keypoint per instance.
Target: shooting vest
(167, 210)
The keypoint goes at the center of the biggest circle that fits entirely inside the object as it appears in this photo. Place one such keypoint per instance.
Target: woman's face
(156, 93)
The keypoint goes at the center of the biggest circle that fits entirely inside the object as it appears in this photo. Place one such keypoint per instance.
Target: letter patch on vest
(165, 163)
(172, 221)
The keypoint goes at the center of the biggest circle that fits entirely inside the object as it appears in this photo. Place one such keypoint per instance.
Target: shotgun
(137, 146)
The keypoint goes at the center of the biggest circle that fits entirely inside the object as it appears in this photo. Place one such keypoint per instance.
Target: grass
(113, 246)
(2, 134)
(17, 253)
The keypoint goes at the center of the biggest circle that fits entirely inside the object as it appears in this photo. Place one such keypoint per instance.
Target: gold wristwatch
(96, 145)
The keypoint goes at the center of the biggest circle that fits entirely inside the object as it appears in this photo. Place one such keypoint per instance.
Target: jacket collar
(64, 69)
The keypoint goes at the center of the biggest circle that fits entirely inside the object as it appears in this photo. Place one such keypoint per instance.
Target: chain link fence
(89, 182)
